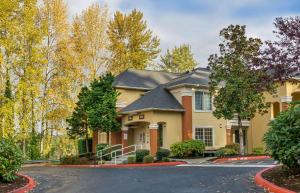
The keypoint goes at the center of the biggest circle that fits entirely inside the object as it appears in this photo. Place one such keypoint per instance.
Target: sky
(198, 22)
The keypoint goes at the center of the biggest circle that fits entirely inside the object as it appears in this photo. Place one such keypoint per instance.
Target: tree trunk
(86, 139)
(241, 135)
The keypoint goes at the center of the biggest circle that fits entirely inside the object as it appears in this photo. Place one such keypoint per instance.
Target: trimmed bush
(10, 160)
(140, 154)
(223, 152)
(258, 151)
(165, 159)
(131, 160)
(161, 153)
(189, 148)
(282, 139)
(102, 146)
(148, 159)
(69, 160)
(234, 146)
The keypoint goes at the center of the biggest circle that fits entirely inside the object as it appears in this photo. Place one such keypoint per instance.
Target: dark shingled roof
(143, 79)
(197, 77)
(156, 99)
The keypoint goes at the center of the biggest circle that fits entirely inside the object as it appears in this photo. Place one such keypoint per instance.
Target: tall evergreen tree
(132, 44)
(179, 59)
(78, 122)
(102, 113)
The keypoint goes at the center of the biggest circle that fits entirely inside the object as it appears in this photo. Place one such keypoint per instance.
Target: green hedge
(140, 154)
(189, 148)
(283, 138)
(161, 153)
(148, 159)
(223, 152)
(10, 160)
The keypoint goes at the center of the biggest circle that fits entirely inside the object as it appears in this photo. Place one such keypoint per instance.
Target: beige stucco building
(158, 109)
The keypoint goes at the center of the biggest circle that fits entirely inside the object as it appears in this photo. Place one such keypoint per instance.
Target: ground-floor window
(204, 134)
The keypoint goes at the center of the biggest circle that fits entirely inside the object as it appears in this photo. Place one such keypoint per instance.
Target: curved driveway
(144, 180)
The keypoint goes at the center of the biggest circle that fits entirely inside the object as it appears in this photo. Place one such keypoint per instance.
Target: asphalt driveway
(144, 180)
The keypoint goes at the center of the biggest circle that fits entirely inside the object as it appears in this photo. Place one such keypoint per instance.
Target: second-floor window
(202, 101)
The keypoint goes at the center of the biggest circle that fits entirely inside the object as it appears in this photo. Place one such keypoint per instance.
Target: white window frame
(206, 126)
(194, 102)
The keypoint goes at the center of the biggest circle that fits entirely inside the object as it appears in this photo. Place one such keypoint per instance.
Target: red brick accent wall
(116, 137)
(187, 131)
(284, 106)
(95, 140)
(124, 141)
(153, 141)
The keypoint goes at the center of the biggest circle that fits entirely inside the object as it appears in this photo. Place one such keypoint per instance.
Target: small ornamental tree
(78, 122)
(102, 113)
(282, 139)
(235, 80)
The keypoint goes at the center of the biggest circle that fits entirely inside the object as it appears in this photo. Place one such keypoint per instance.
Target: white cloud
(200, 29)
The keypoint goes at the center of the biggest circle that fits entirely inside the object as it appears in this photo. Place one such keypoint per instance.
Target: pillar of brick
(116, 137)
(284, 106)
(125, 136)
(187, 131)
(95, 141)
(153, 138)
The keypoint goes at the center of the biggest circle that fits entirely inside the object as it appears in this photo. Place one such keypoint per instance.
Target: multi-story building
(158, 109)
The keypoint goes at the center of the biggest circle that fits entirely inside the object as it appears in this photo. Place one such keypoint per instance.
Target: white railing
(114, 154)
(100, 152)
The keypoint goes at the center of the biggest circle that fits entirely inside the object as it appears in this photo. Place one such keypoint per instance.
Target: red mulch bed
(18, 183)
(283, 177)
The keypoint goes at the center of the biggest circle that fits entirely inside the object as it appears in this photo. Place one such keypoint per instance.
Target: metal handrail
(113, 154)
(109, 147)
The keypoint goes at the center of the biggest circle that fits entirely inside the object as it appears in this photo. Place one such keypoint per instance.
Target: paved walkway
(144, 180)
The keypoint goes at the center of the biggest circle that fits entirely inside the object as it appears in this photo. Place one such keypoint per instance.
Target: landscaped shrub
(161, 153)
(223, 152)
(131, 160)
(148, 159)
(188, 148)
(10, 160)
(234, 146)
(82, 146)
(140, 154)
(283, 137)
(102, 146)
(258, 151)
(69, 160)
(165, 159)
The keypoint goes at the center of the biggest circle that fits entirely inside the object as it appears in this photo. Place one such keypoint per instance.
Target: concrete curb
(122, 165)
(29, 186)
(220, 160)
(260, 181)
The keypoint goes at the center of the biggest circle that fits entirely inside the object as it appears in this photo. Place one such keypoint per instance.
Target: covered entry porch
(144, 134)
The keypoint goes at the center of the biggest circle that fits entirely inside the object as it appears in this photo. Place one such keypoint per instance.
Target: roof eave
(185, 84)
(151, 109)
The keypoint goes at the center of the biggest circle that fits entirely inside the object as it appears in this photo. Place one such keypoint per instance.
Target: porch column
(95, 141)
(125, 136)
(285, 100)
(153, 138)
(187, 131)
